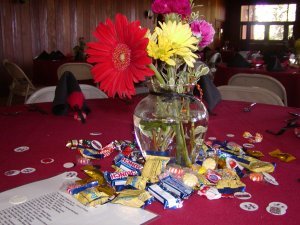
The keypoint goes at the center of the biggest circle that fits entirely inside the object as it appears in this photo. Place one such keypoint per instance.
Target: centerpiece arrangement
(171, 121)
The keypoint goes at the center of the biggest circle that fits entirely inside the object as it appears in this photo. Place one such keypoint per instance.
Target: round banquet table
(47, 135)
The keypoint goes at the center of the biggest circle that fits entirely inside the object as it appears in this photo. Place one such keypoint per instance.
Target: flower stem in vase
(182, 155)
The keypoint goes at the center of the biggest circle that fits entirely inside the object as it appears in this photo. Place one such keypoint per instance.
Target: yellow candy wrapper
(154, 166)
(137, 182)
(132, 198)
(285, 157)
(92, 197)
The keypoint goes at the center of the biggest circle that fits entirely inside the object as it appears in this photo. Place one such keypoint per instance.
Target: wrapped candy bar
(90, 153)
(137, 182)
(233, 164)
(126, 164)
(154, 166)
(168, 200)
(96, 174)
(91, 144)
(81, 185)
(213, 176)
(176, 187)
(285, 157)
(133, 198)
(254, 153)
(211, 193)
(92, 197)
(230, 182)
(118, 178)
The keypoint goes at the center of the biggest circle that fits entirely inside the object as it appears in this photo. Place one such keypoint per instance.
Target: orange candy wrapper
(285, 157)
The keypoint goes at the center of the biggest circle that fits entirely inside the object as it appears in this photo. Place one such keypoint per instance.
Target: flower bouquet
(170, 121)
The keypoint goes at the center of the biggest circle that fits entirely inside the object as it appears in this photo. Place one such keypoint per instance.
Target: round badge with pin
(47, 160)
(28, 170)
(69, 165)
(277, 208)
(21, 149)
(242, 195)
(10, 173)
(270, 179)
(249, 206)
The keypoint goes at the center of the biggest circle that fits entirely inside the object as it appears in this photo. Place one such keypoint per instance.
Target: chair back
(81, 71)
(21, 85)
(249, 94)
(260, 80)
(47, 94)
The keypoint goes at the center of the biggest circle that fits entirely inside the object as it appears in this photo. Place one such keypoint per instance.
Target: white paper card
(47, 205)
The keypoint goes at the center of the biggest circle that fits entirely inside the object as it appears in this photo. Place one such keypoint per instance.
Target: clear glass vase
(171, 122)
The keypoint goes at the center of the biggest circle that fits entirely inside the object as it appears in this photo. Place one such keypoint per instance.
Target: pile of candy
(137, 181)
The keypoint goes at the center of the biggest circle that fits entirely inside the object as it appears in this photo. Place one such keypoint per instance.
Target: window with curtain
(267, 22)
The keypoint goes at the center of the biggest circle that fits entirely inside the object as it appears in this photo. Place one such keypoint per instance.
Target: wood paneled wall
(27, 29)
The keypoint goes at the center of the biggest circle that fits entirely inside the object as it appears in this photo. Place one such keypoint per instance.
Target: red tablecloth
(47, 135)
(290, 79)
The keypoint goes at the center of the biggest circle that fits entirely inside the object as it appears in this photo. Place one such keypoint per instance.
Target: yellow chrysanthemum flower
(172, 40)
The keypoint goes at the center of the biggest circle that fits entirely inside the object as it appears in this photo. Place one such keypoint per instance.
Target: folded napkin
(211, 94)
(238, 61)
(68, 95)
(54, 55)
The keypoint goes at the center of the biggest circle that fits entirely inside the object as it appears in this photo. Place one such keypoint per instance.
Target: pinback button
(21, 149)
(12, 173)
(212, 138)
(270, 179)
(242, 195)
(17, 199)
(28, 170)
(95, 133)
(69, 165)
(47, 160)
(230, 135)
(275, 210)
(249, 206)
(279, 204)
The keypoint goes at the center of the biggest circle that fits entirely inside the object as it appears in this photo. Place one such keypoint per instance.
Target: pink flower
(204, 30)
(181, 7)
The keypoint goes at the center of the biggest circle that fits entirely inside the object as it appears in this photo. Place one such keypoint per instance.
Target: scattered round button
(249, 206)
(242, 195)
(212, 138)
(230, 135)
(47, 160)
(95, 133)
(17, 199)
(69, 165)
(21, 149)
(10, 173)
(279, 204)
(28, 170)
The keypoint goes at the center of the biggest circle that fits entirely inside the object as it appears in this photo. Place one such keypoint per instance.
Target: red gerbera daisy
(120, 56)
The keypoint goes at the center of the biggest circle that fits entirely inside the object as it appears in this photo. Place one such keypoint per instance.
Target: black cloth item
(67, 84)
(273, 64)
(211, 94)
(238, 61)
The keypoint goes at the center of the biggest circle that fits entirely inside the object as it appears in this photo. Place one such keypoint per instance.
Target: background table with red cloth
(289, 78)
(47, 135)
